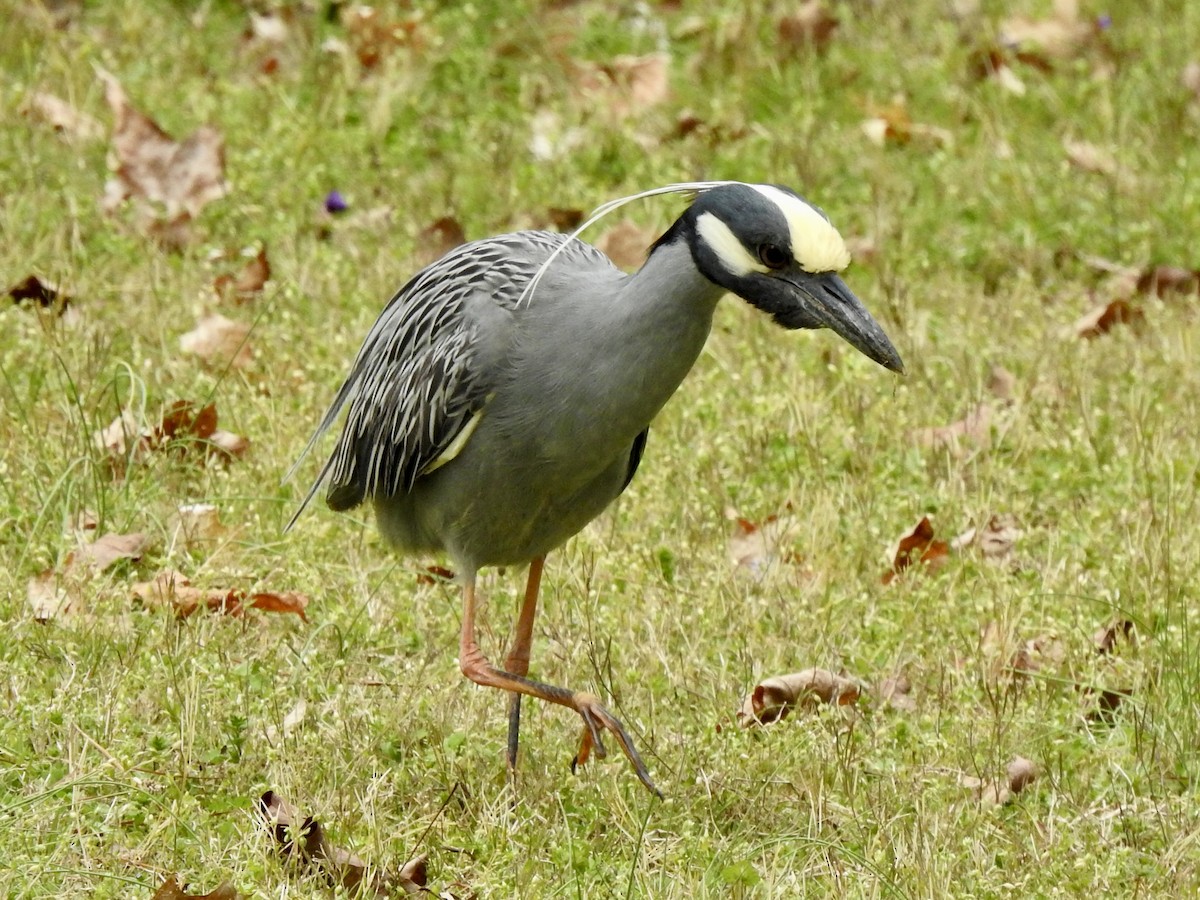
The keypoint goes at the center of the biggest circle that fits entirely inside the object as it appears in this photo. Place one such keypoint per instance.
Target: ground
(1001, 171)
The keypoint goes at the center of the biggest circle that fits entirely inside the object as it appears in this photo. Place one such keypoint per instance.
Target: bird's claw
(596, 717)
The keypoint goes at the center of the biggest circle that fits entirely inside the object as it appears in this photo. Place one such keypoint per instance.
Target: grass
(133, 745)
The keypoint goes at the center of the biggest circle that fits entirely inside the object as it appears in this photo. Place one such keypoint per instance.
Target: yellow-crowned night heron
(502, 399)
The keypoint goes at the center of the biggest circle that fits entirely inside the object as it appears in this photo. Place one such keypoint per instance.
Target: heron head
(781, 254)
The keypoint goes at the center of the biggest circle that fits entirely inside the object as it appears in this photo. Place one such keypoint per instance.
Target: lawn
(1019, 186)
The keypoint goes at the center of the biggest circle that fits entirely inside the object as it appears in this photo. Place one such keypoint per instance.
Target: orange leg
(518, 657)
(595, 717)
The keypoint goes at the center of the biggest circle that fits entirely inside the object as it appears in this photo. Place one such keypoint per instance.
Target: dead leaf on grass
(973, 430)
(1105, 638)
(173, 890)
(219, 341)
(303, 839)
(44, 295)
(1162, 281)
(918, 546)
(198, 524)
(62, 116)
(994, 541)
(182, 427)
(1190, 79)
(625, 86)
(1104, 318)
(756, 547)
(1103, 703)
(175, 591)
(1021, 773)
(1001, 383)
(773, 698)
(58, 591)
(374, 35)
(626, 243)
(249, 282)
(892, 124)
(438, 239)
(811, 26)
(991, 64)
(172, 180)
(1088, 157)
(1063, 35)
(896, 692)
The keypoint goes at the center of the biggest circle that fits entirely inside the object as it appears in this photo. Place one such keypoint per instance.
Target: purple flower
(335, 202)
(1104, 22)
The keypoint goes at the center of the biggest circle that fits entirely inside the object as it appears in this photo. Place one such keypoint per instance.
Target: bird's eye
(772, 256)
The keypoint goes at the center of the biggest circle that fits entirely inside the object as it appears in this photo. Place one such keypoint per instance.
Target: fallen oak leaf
(181, 427)
(1162, 280)
(918, 546)
(812, 25)
(896, 692)
(56, 592)
(175, 591)
(626, 243)
(756, 547)
(1104, 318)
(975, 429)
(1021, 773)
(218, 340)
(438, 239)
(43, 294)
(773, 698)
(249, 282)
(304, 839)
(62, 116)
(181, 177)
(625, 86)
(172, 890)
(1105, 637)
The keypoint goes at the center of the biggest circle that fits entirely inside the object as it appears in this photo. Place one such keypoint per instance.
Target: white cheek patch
(816, 244)
(730, 251)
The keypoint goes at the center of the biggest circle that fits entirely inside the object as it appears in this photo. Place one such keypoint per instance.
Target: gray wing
(419, 378)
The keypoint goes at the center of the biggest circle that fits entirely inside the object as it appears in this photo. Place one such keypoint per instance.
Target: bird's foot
(596, 717)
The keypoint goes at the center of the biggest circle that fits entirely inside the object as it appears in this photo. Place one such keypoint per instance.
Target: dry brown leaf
(1190, 79)
(1103, 703)
(179, 177)
(181, 427)
(918, 546)
(438, 239)
(892, 124)
(773, 698)
(108, 549)
(565, 218)
(626, 243)
(811, 26)
(1021, 773)
(1105, 637)
(57, 592)
(973, 430)
(991, 64)
(175, 591)
(249, 282)
(42, 294)
(754, 548)
(62, 116)
(197, 524)
(627, 85)
(219, 340)
(304, 839)
(374, 36)
(1001, 383)
(896, 692)
(1104, 318)
(1064, 35)
(1162, 281)
(1091, 158)
(172, 890)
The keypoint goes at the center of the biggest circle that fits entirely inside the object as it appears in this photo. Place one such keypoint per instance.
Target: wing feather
(419, 379)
